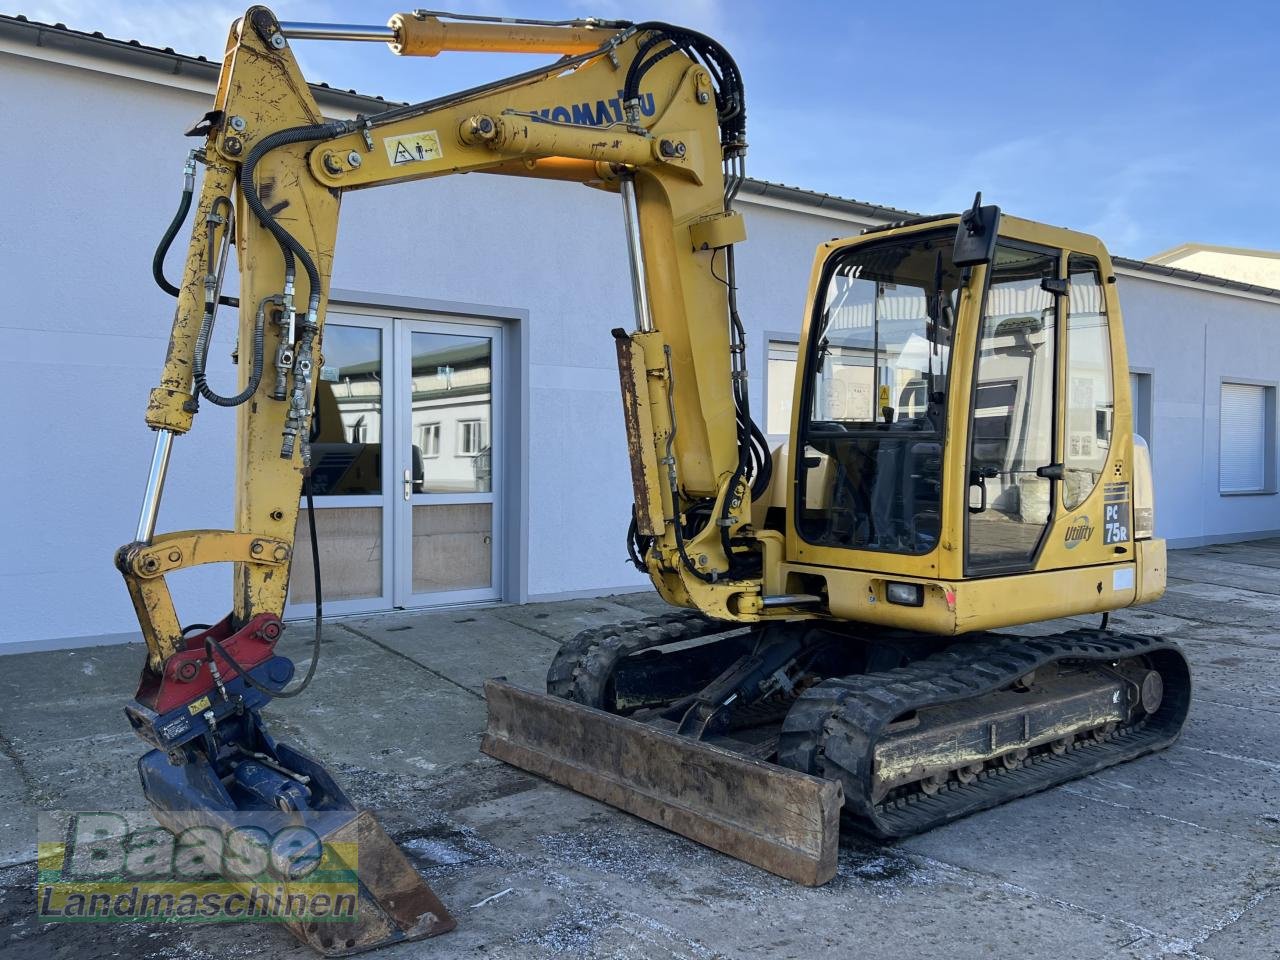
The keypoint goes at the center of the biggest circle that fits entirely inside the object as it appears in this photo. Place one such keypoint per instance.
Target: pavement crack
(1077, 792)
(404, 656)
(1229, 586)
(1225, 641)
(1232, 917)
(1268, 764)
(35, 794)
(1252, 708)
(530, 628)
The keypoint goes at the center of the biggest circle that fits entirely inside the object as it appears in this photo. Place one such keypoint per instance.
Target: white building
(1261, 267)
(469, 366)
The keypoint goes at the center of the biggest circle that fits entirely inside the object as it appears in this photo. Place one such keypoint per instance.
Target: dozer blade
(781, 820)
(390, 903)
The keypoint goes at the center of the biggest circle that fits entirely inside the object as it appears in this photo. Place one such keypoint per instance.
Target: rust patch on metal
(639, 446)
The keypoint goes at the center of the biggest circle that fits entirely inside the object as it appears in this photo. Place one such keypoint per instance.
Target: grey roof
(58, 36)
(824, 201)
(1193, 277)
(61, 37)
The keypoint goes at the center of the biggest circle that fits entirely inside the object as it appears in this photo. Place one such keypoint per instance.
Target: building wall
(84, 333)
(1192, 340)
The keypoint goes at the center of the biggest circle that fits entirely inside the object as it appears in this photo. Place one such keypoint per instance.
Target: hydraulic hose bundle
(754, 462)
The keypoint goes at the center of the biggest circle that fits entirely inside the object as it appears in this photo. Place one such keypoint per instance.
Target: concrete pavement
(1175, 855)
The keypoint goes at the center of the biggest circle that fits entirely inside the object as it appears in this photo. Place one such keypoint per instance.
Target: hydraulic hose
(201, 356)
(289, 245)
(162, 251)
(157, 261)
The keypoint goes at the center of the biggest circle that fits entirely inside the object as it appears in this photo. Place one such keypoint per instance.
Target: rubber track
(585, 663)
(834, 726)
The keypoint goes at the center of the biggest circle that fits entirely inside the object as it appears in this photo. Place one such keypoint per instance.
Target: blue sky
(1147, 123)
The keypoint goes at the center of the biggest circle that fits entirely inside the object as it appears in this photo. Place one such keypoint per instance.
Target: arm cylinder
(155, 486)
(169, 406)
(427, 36)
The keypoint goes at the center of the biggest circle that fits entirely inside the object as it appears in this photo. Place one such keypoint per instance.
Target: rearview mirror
(976, 235)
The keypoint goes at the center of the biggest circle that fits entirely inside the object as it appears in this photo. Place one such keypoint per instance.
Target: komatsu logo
(601, 113)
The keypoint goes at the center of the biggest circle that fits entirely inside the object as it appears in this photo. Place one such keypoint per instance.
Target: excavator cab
(968, 423)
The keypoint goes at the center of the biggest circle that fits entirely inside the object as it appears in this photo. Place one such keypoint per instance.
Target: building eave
(164, 62)
(1187, 249)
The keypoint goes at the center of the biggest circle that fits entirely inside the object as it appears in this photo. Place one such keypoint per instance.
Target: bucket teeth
(392, 903)
(395, 903)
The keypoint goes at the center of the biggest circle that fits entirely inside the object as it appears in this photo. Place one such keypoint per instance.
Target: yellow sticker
(198, 705)
(884, 394)
(413, 148)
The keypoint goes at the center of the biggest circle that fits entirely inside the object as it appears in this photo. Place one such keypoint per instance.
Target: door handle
(981, 484)
(408, 483)
(978, 477)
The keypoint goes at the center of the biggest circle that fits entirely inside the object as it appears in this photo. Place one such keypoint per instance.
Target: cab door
(1013, 469)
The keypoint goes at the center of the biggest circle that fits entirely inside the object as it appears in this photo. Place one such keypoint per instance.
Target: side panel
(962, 606)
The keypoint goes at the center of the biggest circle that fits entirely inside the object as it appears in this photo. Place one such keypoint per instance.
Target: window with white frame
(781, 379)
(429, 439)
(1140, 398)
(1246, 447)
(470, 438)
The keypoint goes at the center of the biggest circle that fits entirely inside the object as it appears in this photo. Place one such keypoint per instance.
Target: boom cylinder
(426, 36)
(635, 255)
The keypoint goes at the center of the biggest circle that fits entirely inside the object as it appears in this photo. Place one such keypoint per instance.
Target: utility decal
(413, 148)
(598, 114)
(1115, 513)
(1078, 531)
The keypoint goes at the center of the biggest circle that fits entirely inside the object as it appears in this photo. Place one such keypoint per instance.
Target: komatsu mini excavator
(961, 459)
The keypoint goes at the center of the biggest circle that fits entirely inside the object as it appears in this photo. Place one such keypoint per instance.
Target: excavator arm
(652, 112)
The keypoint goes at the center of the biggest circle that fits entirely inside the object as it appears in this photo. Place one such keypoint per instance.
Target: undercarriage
(915, 730)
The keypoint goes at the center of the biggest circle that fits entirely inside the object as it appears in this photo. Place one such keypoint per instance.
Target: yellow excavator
(961, 459)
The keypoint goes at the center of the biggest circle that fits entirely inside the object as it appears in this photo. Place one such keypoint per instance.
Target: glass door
(447, 514)
(349, 477)
(1011, 431)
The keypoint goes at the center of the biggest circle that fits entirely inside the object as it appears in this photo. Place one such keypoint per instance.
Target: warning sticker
(413, 148)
